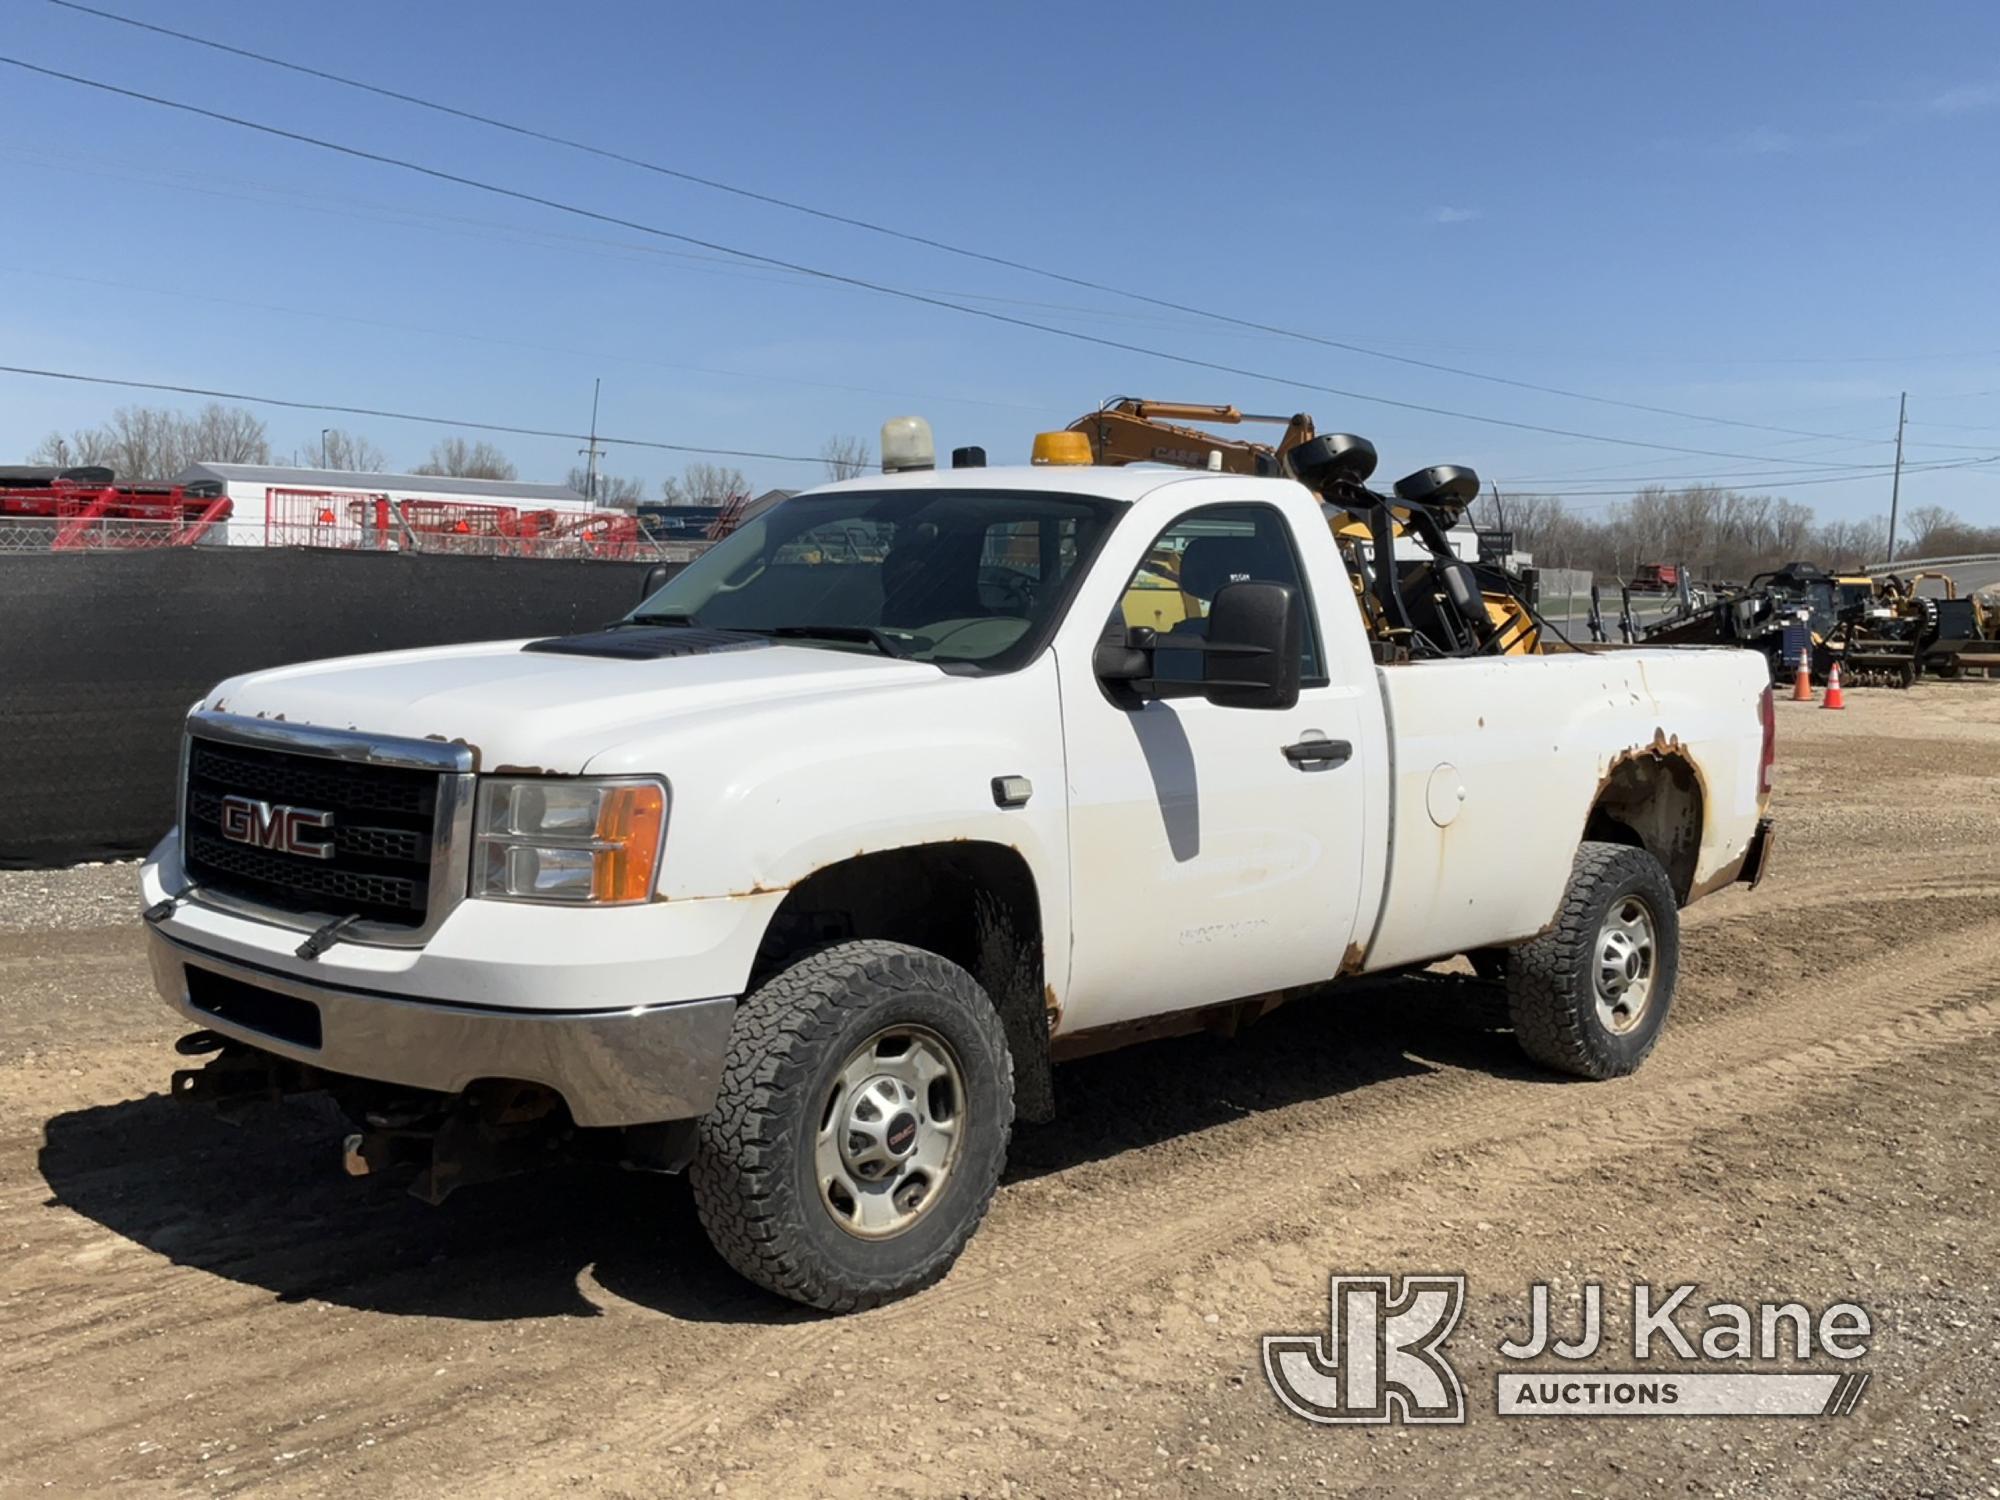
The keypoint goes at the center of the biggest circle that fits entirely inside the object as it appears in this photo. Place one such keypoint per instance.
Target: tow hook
(383, 1148)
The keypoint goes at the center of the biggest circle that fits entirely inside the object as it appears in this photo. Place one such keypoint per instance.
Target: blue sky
(1782, 214)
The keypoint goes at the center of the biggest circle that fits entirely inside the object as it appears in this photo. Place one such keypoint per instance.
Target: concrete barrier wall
(102, 652)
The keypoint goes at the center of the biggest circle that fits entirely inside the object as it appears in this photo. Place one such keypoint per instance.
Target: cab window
(1174, 586)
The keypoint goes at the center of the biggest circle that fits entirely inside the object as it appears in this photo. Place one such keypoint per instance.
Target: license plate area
(285, 1018)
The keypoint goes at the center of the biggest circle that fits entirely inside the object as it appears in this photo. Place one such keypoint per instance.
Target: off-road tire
(753, 1174)
(1551, 986)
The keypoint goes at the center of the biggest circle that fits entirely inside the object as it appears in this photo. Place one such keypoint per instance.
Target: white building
(335, 508)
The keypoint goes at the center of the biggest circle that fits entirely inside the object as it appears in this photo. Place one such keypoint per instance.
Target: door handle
(1319, 752)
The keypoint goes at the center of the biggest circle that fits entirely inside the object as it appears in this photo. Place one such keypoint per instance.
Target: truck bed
(1496, 764)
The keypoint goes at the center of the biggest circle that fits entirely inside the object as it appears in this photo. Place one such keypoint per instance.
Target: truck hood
(543, 712)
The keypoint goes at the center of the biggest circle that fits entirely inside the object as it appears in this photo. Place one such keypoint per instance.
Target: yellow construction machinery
(1891, 633)
(1127, 430)
(1430, 605)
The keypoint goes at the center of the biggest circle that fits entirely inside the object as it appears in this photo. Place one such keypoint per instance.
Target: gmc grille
(383, 833)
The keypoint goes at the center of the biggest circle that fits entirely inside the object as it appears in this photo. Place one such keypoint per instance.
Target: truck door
(1216, 853)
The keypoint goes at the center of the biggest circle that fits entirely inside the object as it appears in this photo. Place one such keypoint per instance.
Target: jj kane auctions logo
(1383, 1357)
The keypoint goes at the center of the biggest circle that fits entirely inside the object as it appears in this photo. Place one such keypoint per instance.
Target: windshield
(969, 579)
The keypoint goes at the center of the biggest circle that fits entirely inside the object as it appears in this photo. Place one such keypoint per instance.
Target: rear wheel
(1589, 996)
(861, 1126)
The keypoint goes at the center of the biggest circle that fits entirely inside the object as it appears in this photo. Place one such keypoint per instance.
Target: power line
(840, 278)
(482, 338)
(1851, 471)
(608, 440)
(908, 237)
(1626, 494)
(403, 416)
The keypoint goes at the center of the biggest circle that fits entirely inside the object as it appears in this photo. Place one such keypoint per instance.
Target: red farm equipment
(71, 509)
(354, 519)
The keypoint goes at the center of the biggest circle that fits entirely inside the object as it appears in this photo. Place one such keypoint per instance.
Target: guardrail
(1905, 564)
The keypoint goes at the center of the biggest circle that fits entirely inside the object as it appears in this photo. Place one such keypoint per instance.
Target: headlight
(568, 840)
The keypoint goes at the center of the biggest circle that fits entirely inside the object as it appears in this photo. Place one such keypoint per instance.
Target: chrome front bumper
(631, 1066)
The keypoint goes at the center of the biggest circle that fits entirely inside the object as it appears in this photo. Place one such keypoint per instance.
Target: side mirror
(657, 577)
(1123, 656)
(1255, 632)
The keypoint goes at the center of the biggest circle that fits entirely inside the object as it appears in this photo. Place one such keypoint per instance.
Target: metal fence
(26, 534)
(98, 534)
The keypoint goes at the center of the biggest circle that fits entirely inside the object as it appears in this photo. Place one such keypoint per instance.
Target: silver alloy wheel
(1624, 964)
(889, 1131)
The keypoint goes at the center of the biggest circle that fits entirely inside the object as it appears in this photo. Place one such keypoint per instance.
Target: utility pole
(322, 445)
(590, 453)
(1896, 484)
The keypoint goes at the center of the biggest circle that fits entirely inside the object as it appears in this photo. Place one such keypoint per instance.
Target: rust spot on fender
(1051, 1005)
(1662, 746)
(1350, 961)
(757, 889)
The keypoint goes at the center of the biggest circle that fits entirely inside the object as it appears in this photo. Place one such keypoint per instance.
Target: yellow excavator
(1127, 430)
(1433, 606)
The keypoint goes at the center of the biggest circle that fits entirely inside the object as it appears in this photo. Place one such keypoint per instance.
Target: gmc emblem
(265, 826)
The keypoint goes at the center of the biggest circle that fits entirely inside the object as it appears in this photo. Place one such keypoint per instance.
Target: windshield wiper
(660, 617)
(868, 635)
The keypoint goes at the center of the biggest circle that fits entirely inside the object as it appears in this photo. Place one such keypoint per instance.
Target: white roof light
(907, 444)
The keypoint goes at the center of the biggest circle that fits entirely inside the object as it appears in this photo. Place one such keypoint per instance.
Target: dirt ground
(187, 1306)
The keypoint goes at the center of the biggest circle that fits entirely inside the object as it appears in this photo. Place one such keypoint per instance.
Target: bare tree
(1925, 524)
(347, 451)
(227, 435)
(845, 458)
(621, 491)
(1720, 534)
(705, 484)
(458, 458)
(1846, 545)
(154, 443)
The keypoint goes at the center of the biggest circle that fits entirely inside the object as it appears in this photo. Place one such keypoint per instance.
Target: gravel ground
(86, 898)
(190, 1308)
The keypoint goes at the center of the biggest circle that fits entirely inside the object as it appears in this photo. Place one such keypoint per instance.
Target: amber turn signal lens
(629, 820)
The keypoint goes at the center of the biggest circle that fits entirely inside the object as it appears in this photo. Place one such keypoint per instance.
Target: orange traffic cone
(1802, 684)
(1833, 694)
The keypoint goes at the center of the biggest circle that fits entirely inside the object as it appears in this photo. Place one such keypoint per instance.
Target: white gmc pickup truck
(803, 875)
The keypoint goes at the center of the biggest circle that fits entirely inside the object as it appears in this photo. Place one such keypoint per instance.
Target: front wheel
(1589, 996)
(858, 1137)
